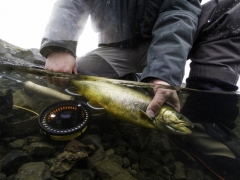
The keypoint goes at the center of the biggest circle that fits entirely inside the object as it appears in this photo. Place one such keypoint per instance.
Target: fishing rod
(40, 89)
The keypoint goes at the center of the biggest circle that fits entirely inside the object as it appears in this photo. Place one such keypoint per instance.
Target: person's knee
(95, 65)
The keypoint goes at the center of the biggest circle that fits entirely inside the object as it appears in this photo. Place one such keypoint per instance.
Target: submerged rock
(109, 170)
(34, 171)
(41, 149)
(65, 161)
(83, 174)
(14, 160)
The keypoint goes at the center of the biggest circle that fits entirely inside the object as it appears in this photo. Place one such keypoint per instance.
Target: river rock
(41, 149)
(33, 171)
(3, 176)
(109, 170)
(83, 174)
(13, 160)
(24, 127)
(20, 56)
(179, 173)
(17, 144)
(65, 161)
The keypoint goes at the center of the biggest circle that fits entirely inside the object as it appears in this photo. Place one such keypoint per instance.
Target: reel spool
(64, 120)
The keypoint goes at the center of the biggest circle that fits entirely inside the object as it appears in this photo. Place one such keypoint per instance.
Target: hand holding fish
(161, 96)
(60, 62)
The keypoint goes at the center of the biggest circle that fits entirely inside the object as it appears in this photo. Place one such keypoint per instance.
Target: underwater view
(119, 90)
(52, 132)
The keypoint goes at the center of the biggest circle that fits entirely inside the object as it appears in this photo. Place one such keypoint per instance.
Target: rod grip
(47, 91)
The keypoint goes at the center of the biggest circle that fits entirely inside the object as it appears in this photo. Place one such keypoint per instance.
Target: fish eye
(180, 117)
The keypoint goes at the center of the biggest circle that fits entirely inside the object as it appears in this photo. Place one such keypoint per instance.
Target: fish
(129, 104)
(119, 98)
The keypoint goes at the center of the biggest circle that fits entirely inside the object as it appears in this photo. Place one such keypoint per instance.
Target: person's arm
(62, 32)
(172, 39)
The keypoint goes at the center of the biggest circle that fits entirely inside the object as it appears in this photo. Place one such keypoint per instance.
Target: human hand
(60, 62)
(162, 96)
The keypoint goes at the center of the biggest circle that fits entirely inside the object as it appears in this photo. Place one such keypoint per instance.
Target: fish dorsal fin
(127, 83)
(94, 105)
(116, 81)
(144, 116)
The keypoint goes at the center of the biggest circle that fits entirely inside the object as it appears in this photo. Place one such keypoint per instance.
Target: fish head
(173, 122)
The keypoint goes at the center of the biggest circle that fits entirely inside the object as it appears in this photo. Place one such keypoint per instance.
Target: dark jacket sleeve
(65, 25)
(172, 39)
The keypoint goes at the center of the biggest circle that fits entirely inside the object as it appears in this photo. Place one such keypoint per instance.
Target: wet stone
(6, 102)
(130, 135)
(179, 173)
(115, 158)
(92, 139)
(109, 152)
(75, 146)
(135, 167)
(194, 174)
(132, 155)
(149, 163)
(159, 176)
(24, 127)
(126, 163)
(183, 156)
(140, 176)
(12, 161)
(166, 170)
(11, 177)
(110, 170)
(157, 141)
(120, 150)
(41, 149)
(65, 161)
(107, 145)
(32, 139)
(3, 176)
(34, 170)
(96, 157)
(132, 172)
(107, 137)
(83, 174)
(50, 161)
(120, 142)
(167, 158)
(17, 144)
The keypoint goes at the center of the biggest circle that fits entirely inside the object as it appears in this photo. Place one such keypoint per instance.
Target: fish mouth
(189, 123)
(184, 130)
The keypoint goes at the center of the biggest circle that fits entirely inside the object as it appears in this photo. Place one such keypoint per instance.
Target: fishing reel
(64, 120)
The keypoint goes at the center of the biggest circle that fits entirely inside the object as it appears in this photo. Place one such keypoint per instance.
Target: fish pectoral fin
(143, 115)
(73, 91)
(94, 105)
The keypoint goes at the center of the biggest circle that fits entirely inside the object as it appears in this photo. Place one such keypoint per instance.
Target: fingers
(155, 104)
(61, 62)
(75, 70)
(58, 81)
(174, 101)
(160, 97)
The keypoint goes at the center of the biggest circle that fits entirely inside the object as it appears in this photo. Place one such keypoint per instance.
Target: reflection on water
(214, 141)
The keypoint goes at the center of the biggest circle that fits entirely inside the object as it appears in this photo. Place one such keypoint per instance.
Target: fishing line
(20, 107)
